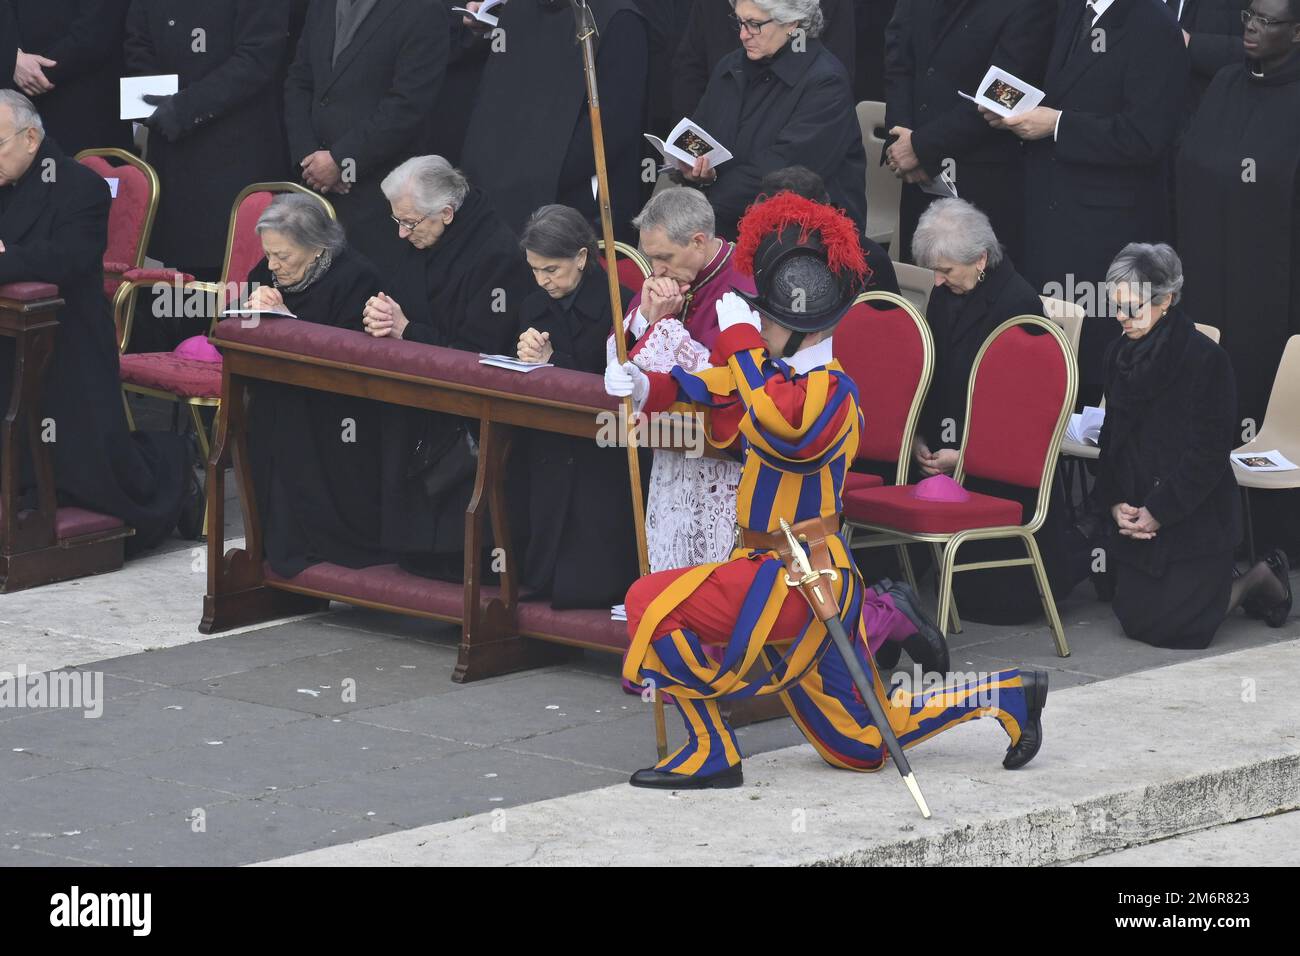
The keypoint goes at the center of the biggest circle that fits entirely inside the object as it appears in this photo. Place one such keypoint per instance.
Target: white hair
(681, 212)
(430, 182)
(1145, 264)
(807, 13)
(25, 114)
(955, 230)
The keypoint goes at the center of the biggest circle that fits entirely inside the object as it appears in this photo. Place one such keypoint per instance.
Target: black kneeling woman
(582, 544)
(1164, 472)
(315, 455)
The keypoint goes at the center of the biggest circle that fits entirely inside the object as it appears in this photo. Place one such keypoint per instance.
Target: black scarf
(1145, 367)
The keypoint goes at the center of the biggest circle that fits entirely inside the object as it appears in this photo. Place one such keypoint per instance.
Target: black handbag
(444, 457)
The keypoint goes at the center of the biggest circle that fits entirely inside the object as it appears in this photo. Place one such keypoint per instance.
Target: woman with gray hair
(781, 100)
(976, 289)
(458, 284)
(1164, 472)
(314, 454)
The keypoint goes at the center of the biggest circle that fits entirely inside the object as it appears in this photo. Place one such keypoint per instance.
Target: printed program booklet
(688, 142)
(1005, 93)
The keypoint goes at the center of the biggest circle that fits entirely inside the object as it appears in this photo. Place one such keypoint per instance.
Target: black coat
(226, 106)
(85, 38)
(582, 547)
(797, 110)
(933, 50)
(870, 17)
(1239, 235)
(529, 139)
(1215, 27)
(315, 455)
(466, 58)
(1165, 446)
(372, 110)
(1103, 182)
(666, 21)
(9, 42)
(55, 229)
(960, 325)
(462, 293)
(710, 35)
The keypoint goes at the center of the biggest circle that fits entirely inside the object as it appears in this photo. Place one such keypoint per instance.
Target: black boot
(927, 646)
(1031, 737)
(189, 524)
(653, 779)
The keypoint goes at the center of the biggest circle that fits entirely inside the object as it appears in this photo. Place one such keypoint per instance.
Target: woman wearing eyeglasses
(1239, 224)
(781, 100)
(1164, 472)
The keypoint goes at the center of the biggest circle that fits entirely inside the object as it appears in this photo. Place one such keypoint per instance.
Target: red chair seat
(168, 373)
(858, 480)
(894, 507)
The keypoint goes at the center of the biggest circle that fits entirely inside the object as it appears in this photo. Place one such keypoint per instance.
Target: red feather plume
(838, 233)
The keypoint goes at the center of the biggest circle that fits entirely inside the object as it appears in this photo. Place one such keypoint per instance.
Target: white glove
(733, 310)
(626, 379)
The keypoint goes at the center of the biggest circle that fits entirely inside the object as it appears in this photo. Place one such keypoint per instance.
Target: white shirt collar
(1099, 7)
(814, 356)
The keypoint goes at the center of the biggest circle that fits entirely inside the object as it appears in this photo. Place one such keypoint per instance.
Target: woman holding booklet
(1164, 472)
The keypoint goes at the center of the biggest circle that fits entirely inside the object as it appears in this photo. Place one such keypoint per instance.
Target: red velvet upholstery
(158, 275)
(894, 507)
(413, 358)
(126, 217)
(882, 351)
(1019, 386)
(857, 480)
(170, 373)
(630, 276)
(29, 291)
(381, 584)
(78, 522)
(246, 251)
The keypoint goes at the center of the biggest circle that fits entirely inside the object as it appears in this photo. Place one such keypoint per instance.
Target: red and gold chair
(1021, 392)
(633, 267)
(131, 216)
(886, 347)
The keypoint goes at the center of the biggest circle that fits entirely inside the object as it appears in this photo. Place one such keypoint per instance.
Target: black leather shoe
(1031, 737)
(927, 646)
(1277, 614)
(653, 779)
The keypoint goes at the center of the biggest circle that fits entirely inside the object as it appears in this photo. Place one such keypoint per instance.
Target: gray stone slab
(1266, 841)
(233, 833)
(161, 720)
(17, 763)
(83, 800)
(339, 682)
(19, 855)
(296, 755)
(493, 712)
(471, 782)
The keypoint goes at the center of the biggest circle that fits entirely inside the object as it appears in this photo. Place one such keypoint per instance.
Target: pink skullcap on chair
(940, 488)
(197, 348)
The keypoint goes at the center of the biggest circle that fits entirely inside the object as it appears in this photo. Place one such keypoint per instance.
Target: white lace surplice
(691, 509)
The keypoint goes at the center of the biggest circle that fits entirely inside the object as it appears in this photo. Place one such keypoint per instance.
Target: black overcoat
(226, 105)
(373, 109)
(933, 49)
(1215, 28)
(1103, 181)
(54, 226)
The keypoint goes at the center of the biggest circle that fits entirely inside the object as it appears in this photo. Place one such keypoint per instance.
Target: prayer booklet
(511, 363)
(248, 313)
(1085, 427)
(943, 187)
(688, 142)
(618, 613)
(1272, 460)
(1005, 94)
(485, 14)
(134, 88)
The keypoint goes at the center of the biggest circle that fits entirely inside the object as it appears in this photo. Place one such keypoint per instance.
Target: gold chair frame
(947, 544)
(627, 252)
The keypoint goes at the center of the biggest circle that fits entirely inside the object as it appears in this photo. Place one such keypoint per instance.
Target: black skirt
(1181, 608)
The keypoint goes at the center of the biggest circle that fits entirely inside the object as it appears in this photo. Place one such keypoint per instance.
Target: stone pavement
(332, 729)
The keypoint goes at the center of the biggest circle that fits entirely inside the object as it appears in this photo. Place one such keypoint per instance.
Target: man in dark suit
(68, 60)
(933, 50)
(1097, 154)
(359, 100)
(54, 228)
(1212, 30)
(221, 131)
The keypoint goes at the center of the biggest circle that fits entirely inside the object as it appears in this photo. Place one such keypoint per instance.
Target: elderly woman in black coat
(976, 289)
(457, 285)
(1164, 471)
(576, 561)
(314, 454)
(781, 100)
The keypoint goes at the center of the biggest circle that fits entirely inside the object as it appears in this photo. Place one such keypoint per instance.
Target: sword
(827, 611)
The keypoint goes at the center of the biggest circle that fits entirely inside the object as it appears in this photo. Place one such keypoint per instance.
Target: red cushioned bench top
(390, 586)
(78, 522)
(358, 350)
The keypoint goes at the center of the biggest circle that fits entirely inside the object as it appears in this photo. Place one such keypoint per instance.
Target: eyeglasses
(13, 134)
(1130, 310)
(750, 27)
(1264, 22)
(409, 226)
